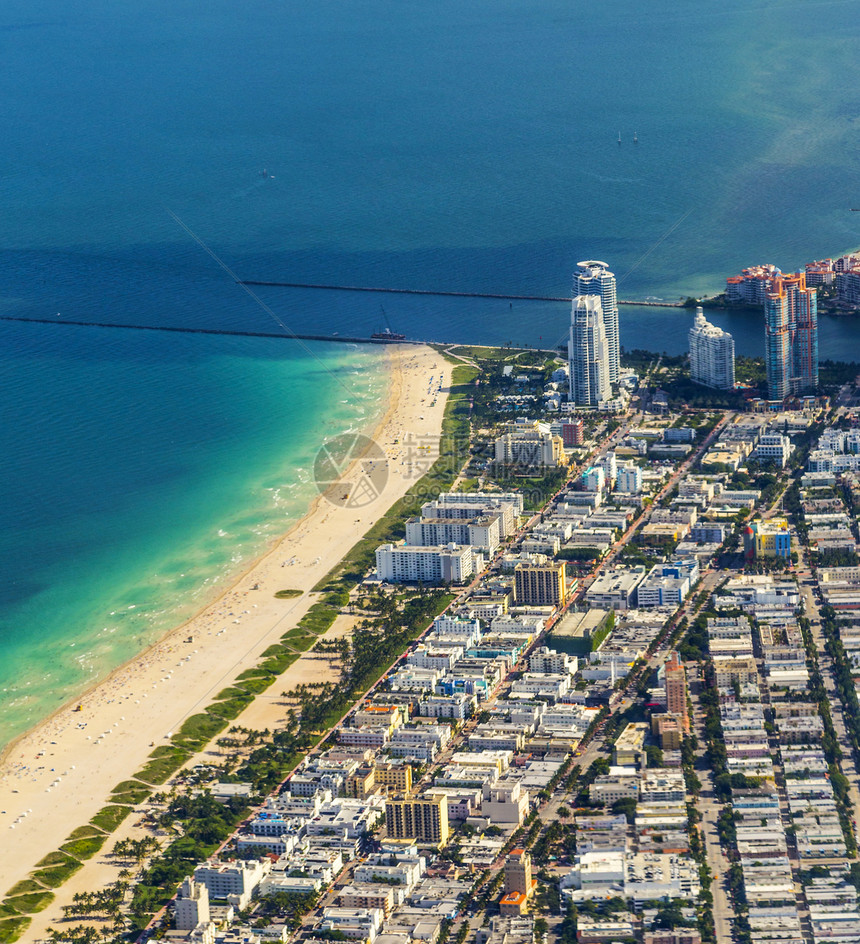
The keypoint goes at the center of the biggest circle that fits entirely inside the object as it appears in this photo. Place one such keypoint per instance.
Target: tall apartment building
(450, 563)
(588, 352)
(518, 872)
(573, 433)
(424, 818)
(594, 278)
(540, 584)
(791, 337)
(712, 354)
(192, 905)
(481, 531)
(676, 690)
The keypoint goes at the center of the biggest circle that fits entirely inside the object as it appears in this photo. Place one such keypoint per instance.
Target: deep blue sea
(467, 146)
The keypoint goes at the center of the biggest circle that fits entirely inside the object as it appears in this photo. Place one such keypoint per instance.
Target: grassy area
(28, 904)
(54, 876)
(166, 760)
(230, 708)
(198, 730)
(12, 929)
(109, 817)
(288, 594)
(24, 888)
(53, 858)
(83, 832)
(86, 848)
(130, 791)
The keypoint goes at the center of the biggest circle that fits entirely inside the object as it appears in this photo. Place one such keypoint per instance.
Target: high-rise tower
(594, 278)
(791, 337)
(712, 354)
(588, 352)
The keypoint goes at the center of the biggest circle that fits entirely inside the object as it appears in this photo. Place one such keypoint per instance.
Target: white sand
(61, 773)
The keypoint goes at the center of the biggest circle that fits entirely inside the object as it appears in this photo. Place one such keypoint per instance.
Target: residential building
(481, 532)
(773, 448)
(531, 445)
(505, 802)
(450, 563)
(588, 352)
(192, 905)
(629, 479)
(541, 584)
(233, 878)
(594, 278)
(572, 433)
(791, 337)
(751, 286)
(593, 479)
(712, 354)
(418, 817)
(676, 689)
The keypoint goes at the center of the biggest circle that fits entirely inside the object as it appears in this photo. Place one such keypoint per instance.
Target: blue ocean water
(445, 145)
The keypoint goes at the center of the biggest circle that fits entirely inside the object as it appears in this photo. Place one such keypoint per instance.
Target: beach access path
(62, 772)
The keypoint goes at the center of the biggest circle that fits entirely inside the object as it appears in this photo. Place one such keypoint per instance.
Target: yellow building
(770, 538)
(424, 818)
(519, 883)
(390, 778)
(541, 584)
(397, 778)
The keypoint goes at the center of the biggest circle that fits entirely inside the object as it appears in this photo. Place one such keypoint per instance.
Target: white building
(712, 354)
(448, 563)
(773, 447)
(629, 479)
(481, 531)
(530, 444)
(505, 802)
(233, 880)
(548, 661)
(588, 352)
(594, 278)
(192, 905)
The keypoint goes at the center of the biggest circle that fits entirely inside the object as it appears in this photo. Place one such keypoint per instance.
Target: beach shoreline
(56, 776)
(373, 430)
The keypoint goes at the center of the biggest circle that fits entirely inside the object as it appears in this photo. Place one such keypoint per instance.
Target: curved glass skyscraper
(594, 278)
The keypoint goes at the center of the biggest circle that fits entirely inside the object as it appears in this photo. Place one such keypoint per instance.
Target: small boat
(619, 137)
(635, 138)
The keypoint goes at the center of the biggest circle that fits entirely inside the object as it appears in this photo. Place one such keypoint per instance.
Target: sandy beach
(58, 775)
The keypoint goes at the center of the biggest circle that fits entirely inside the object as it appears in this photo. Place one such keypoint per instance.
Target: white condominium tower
(712, 354)
(594, 278)
(588, 352)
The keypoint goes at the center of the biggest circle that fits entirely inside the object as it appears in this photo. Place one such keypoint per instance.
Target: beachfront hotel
(588, 352)
(712, 354)
(791, 337)
(450, 563)
(594, 278)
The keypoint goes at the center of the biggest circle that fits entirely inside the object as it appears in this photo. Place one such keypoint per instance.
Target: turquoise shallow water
(445, 145)
(150, 501)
